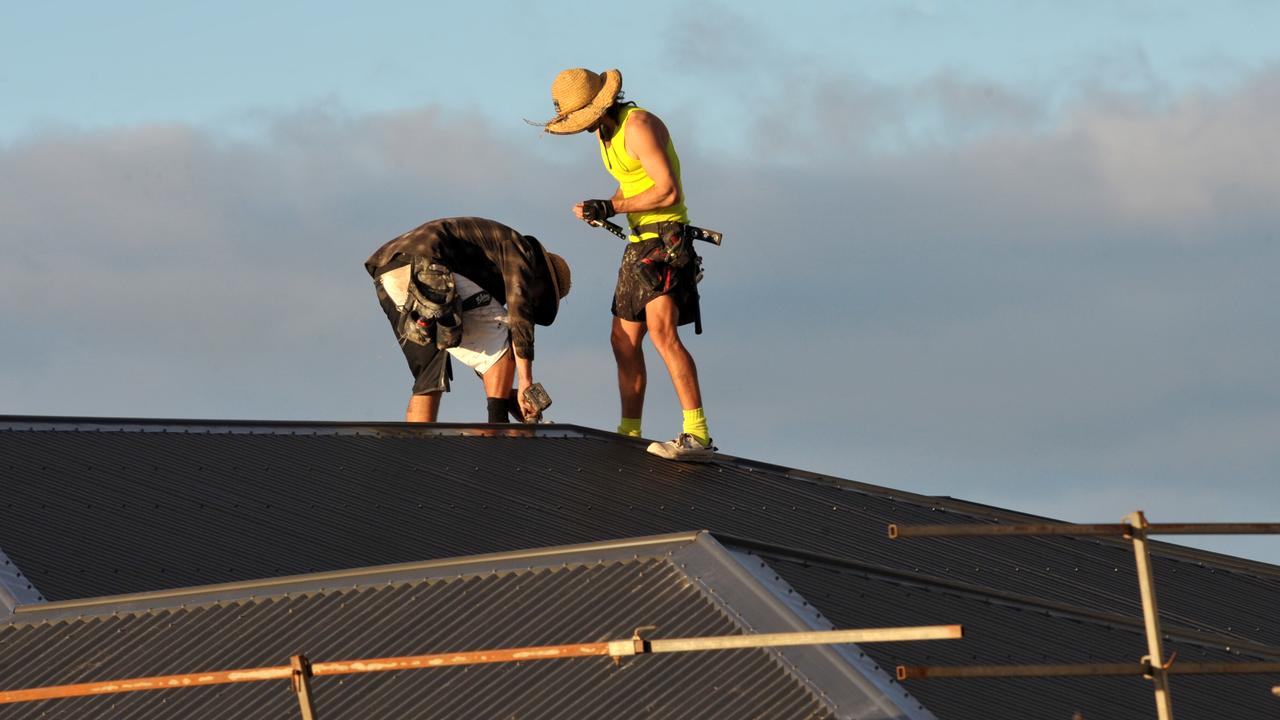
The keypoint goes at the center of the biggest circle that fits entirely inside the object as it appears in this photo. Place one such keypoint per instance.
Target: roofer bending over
(657, 288)
(443, 286)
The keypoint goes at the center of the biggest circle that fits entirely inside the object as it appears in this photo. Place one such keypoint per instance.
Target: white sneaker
(684, 448)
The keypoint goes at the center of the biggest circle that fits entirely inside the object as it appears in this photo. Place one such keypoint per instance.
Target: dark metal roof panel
(1002, 631)
(195, 505)
(540, 606)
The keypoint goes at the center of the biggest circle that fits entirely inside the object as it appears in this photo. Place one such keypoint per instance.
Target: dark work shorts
(428, 364)
(633, 292)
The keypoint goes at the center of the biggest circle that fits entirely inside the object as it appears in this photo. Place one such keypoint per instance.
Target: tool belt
(691, 232)
(430, 310)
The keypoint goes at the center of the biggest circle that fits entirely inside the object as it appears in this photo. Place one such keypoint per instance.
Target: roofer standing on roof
(657, 288)
(443, 285)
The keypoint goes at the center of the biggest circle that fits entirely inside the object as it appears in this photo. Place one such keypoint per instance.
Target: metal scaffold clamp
(635, 645)
(300, 682)
(1149, 668)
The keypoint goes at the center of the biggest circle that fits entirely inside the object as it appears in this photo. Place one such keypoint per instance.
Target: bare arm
(524, 374)
(646, 140)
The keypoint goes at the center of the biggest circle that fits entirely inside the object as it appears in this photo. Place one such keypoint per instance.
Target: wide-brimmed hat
(581, 97)
(561, 278)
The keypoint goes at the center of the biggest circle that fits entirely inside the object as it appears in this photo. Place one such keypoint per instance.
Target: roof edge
(16, 589)
(761, 602)
(353, 577)
(20, 423)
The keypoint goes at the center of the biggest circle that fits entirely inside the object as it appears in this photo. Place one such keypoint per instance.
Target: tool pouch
(433, 303)
(678, 246)
(651, 268)
(415, 330)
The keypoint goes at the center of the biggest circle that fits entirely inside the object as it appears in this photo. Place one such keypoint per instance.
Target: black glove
(597, 210)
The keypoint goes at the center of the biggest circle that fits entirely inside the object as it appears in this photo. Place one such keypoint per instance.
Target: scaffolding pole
(299, 672)
(1158, 670)
(1079, 529)
(300, 680)
(1135, 529)
(924, 672)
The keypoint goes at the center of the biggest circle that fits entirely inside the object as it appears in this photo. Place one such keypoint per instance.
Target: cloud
(1063, 310)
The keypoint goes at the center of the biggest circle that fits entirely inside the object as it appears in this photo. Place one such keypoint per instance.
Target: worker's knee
(665, 337)
(623, 342)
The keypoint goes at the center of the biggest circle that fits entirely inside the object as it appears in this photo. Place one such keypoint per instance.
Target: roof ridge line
(372, 571)
(1180, 632)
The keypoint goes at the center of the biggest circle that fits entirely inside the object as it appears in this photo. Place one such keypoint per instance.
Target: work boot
(684, 448)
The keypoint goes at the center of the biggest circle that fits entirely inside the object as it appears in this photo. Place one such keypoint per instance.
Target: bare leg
(497, 379)
(626, 337)
(661, 316)
(423, 408)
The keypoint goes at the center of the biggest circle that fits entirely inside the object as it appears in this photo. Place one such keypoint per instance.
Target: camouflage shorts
(428, 364)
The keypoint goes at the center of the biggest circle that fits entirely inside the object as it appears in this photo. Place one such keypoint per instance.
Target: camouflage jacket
(509, 266)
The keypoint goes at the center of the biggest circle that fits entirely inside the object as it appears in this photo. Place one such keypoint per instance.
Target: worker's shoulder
(641, 116)
(641, 121)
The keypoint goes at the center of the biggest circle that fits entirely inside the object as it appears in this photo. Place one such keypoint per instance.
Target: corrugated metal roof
(161, 504)
(1009, 630)
(563, 596)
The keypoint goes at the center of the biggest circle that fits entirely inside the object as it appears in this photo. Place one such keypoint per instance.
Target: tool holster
(432, 305)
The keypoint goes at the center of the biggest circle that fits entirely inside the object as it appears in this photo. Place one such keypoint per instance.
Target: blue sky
(92, 65)
(1017, 253)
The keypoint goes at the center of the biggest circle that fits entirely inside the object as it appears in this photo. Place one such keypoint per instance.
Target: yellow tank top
(634, 180)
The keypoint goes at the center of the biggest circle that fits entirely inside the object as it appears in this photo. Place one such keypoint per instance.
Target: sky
(1018, 253)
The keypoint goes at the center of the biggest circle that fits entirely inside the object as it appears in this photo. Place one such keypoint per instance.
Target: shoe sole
(690, 457)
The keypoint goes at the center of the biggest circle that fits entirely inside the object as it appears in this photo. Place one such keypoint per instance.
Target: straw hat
(560, 276)
(581, 97)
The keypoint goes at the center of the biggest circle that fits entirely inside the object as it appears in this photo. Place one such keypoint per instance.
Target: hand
(529, 412)
(594, 211)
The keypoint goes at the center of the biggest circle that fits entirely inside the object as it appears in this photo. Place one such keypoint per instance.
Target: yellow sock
(629, 427)
(695, 423)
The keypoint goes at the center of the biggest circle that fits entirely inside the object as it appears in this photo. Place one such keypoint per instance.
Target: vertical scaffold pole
(301, 682)
(1150, 614)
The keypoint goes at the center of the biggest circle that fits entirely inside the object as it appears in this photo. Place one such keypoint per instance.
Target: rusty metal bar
(299, 671)
(1079, 529)
(917, 672)
(160, 682)
(1159, 675)
(479, 657)
(300, 680)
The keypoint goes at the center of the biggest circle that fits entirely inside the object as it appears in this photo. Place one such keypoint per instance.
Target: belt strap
(657, 227)
(480, 299)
